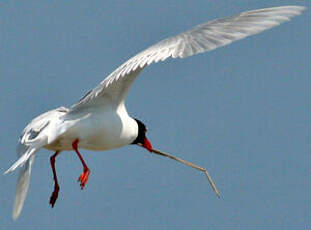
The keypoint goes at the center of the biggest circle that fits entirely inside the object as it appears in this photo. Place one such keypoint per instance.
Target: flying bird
(100, 121)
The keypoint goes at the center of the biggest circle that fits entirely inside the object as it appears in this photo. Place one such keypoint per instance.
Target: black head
(141, 137)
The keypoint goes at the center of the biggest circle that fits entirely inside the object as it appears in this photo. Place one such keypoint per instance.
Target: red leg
(54, 195)
(86, 171)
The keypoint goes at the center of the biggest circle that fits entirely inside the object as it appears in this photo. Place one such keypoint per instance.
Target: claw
(86, 172)
(84, 178)
(54, 196)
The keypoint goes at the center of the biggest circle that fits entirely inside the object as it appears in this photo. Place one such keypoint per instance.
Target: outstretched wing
(202, 38)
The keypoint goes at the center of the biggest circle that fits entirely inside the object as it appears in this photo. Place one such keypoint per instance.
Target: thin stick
(190, 165)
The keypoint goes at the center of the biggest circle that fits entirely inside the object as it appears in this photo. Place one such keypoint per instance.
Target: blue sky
(241, 111)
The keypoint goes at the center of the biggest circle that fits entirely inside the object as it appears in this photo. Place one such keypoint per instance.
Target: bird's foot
(84, 177)
(54, 195)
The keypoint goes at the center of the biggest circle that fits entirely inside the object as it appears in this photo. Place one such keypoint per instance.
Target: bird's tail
(36, 135)
(24, 158)
(27, 157)
(22, 186)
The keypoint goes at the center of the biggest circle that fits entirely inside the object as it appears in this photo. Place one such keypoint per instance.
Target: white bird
(99, 121)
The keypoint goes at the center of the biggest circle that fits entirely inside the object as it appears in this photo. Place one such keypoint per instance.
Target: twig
(190, 165)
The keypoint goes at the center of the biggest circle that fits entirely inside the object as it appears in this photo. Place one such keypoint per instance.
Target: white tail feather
(35, 136)
(22, 186)
(22, 160)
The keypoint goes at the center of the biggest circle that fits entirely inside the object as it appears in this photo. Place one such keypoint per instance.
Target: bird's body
(94, 132)
(99, 121)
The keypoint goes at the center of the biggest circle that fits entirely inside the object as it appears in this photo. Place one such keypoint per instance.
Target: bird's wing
(202, 38)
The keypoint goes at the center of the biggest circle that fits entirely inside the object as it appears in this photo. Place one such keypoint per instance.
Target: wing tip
(11, 169)
(295, 8)
(298, 9)
(16, 213)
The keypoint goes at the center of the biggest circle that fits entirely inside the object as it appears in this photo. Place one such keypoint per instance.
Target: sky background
(241, 111)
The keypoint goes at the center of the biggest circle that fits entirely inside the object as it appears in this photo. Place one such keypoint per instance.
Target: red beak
(147, 145)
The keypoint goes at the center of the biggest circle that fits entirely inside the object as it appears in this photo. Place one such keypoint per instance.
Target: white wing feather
(202, 38)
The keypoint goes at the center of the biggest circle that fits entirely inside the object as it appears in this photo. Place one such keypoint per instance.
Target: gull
(99, 121)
